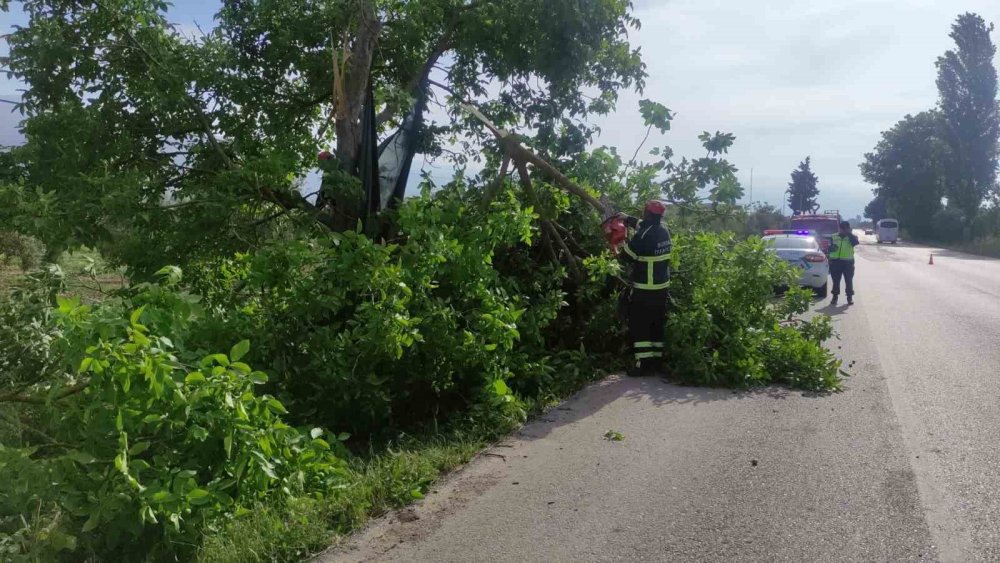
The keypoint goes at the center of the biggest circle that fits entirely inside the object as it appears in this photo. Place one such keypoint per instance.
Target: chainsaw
(613, 225)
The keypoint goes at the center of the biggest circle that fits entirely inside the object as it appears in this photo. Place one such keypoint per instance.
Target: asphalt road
(901, 466)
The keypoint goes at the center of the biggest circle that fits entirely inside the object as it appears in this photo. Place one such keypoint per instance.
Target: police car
(801, 248)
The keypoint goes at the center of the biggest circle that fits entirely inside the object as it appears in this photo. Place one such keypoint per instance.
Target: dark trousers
(647, 311)
(842, 269)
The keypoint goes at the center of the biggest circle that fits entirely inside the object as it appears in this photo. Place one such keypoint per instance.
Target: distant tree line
(936, 171)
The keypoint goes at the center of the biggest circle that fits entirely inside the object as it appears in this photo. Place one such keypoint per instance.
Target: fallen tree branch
(547, 229)
(41, 400)
(494, 189)
(518, 152)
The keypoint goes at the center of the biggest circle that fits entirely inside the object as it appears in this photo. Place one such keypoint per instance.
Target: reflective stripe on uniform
(660, 258)
(651, 286)
(648, 345)
(647, 355)
(631, 253)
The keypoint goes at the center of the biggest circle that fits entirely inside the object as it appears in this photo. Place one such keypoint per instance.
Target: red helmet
(655, 206)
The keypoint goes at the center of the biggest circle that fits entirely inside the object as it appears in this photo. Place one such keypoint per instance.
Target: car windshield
(888, 225)
(821, 226)
(797, 243)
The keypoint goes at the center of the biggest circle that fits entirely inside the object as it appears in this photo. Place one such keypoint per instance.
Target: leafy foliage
(967, 84)
(948, 154)
(723, 328)
(364, 336)
(127, 446)
(802, 190)
(876, 210)
(908, 168)
(195, 145)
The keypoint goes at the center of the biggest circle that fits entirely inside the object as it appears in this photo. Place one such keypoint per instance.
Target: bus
(887, 230)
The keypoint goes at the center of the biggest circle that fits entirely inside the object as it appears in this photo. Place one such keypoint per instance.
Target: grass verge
(985, 246)
(396, 476)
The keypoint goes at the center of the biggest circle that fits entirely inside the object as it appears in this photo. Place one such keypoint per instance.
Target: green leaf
(66, 305)
(276, 406)
(163, 496)
(199, 496)
(220, 359)
(655, 115)
(239, 350)
(258, 377)
(93, 521)
(169, 275)
(500, 387)
(134, 317)
(195, 377)
(343, 437)
(198, 432)
(85, 364)
(121, 464)
(81, 457)
(138, 448)
(416, 494)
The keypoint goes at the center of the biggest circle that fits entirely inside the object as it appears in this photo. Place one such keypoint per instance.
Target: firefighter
(648, 253)
(842, 261)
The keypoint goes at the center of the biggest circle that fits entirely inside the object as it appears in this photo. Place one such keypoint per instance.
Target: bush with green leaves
(725, 327)
(128, 445)
(27, 250)
(365, 336)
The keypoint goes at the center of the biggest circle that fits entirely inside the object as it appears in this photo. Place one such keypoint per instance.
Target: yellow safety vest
(841, 248)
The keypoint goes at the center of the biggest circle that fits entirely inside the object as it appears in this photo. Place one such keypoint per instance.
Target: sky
(790, 78)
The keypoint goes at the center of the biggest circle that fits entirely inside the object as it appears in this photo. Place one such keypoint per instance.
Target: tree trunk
(358, 72)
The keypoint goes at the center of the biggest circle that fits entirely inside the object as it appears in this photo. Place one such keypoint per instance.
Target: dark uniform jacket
(649, 254)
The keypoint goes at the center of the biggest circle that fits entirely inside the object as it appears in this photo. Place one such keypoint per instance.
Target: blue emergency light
(803, 232)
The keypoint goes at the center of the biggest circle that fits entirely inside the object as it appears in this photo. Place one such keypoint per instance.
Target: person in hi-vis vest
(842, 261)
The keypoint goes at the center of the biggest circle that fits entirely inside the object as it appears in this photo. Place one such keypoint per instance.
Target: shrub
(724, 326)
(128, 448)
(364, 336)
(948, 225)
(27, 250)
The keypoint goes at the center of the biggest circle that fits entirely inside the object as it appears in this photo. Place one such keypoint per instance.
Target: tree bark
(355, 80)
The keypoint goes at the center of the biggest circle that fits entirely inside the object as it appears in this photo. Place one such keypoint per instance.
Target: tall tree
(967, 84)
(876, 210)
(802, 190)
(124, 112)
(907, 168)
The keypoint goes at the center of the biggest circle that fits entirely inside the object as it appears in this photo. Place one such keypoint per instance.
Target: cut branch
(548, 231)
(42, 399)
(519, 153)
(494, 189)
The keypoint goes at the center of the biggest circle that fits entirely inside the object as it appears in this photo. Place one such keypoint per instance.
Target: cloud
(790, 79)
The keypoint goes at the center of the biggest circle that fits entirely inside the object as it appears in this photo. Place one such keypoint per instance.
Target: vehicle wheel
(822, 291)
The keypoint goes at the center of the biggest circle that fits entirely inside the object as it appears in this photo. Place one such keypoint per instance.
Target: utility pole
(751, 187)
